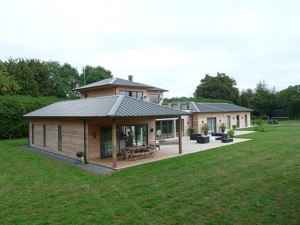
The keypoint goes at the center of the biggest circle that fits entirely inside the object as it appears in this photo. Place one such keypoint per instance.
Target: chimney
(130, 77)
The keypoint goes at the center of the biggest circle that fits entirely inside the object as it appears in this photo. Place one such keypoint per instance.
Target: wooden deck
(168, 151)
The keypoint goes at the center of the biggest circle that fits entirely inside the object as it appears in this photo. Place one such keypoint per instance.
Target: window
(44, 135)
(154, 98)
(134, 94)
(32, 133)
(228, 126)
(165, 129)
(59, 135)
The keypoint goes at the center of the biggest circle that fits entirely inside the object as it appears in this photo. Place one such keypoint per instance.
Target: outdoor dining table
(139, 150)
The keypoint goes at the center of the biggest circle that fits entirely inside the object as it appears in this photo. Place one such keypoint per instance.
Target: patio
(171, 150)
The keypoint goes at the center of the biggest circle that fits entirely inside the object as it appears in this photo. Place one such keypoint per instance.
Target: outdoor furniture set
(205, 139)
(223, 137)
(138, 151)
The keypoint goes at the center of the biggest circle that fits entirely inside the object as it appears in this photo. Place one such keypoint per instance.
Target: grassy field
(255, 182)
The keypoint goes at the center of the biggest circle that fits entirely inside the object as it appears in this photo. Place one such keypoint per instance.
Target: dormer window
(134, 94)
(155, 98)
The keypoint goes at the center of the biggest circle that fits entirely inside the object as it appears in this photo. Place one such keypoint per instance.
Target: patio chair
(152, 149)
(125, 154)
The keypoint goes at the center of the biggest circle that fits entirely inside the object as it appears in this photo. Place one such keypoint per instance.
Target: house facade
(214, 114)
(98, 127)
(118, 86)
(114, 113)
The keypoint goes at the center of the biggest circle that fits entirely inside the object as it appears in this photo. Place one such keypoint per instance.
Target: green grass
(254, 182)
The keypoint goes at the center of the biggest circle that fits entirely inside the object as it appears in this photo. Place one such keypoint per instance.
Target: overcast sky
(168, 44)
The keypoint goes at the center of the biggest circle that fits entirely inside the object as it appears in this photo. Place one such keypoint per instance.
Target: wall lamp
(151, 130)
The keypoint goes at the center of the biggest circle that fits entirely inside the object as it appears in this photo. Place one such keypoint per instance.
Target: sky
(169, 44)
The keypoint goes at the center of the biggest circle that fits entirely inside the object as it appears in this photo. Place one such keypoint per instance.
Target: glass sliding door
(165, 129)
(238, 121)
(246, 121)
(105, 142)
(228, 126)
(211, 122)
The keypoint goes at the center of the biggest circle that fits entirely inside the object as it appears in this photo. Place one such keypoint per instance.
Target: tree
(64, 78)
(219, 87)
(289, 100)
(19, 71)
(264, 99)
(7, 85)
(94, 74)
(246, 98)
(40, 71)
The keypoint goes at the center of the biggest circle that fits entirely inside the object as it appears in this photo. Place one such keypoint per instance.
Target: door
(211, 122)
(238, 121)
(228, 122)
(246, 121)
(105, 142)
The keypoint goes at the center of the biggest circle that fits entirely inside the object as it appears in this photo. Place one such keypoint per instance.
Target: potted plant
(205, 128)
(223, 127)
(191, 131)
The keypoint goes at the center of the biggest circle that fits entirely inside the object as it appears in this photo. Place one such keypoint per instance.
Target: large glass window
(228, 122)
(154, 98)
(135, 135)
(165, 129)
(44, 135)
(32, 133)
(134, 94)
(211, 122)
(177, 127)
(59, 136)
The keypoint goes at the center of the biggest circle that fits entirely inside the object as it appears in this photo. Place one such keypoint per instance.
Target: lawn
(254, 182)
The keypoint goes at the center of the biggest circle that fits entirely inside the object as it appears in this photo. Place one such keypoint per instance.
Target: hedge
(12, 108)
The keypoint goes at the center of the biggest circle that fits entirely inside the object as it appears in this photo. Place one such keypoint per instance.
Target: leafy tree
(219, 87)
(247, 98)
(40, 71)
(64, 78)
(94, 74)
(264, 99)
(7, 85)
(289, 100)
(19, 71)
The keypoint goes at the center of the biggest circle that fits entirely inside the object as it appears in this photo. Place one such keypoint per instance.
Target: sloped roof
(109, 106)
(118, 82)
(216, 107)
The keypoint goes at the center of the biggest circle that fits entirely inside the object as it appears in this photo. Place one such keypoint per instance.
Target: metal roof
(118, 82)
(109, 106)
(216, 107)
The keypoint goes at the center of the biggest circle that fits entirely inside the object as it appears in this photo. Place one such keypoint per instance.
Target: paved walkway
(89, 166)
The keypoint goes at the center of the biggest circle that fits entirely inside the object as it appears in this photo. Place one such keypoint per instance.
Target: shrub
(259, 126)
(12, 122)
(234, 127)
(191, 130)
(230, 133)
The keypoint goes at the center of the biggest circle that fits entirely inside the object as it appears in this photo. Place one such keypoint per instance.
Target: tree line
(262, 99)
(33, 77)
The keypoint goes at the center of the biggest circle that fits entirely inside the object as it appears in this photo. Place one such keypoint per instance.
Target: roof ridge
(116, 105)
(214, 107)
(113, 80)
(195, 106)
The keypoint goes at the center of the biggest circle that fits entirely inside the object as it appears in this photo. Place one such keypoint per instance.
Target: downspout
(84, 139)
